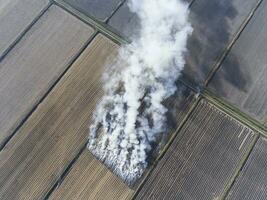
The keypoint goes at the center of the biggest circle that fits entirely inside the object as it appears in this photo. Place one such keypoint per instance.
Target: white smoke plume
(131, 115)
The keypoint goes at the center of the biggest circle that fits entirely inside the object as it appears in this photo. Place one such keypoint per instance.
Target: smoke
(131, 116)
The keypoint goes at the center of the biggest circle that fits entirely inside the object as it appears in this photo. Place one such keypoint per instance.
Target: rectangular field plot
(35, 63)
(251, 182)
(15, 17)
(124, 22)
(201, 161)
(215, 24)
(51, 138)
(242, 77)
(90, 179)
(99, 9)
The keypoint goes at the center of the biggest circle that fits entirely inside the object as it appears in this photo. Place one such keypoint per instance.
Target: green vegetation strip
(96, 24)
(234, 112)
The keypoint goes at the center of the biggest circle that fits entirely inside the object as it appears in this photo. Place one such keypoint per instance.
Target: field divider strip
(229, 109)
(65, 172)
(69, 166)
(23, 33)
(167, 146)
(234, 112)
(5, 142)
(97, 24)
(115, 10)
(228, 187)
(226, 51)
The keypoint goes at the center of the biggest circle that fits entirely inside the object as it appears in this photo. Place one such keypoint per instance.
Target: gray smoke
(131, 115)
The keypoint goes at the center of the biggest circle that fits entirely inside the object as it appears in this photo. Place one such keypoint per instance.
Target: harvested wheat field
(55, 63)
